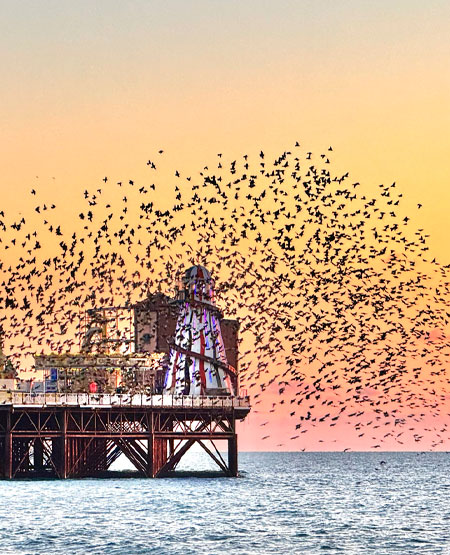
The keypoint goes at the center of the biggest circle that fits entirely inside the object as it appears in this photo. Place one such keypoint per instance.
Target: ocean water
(352, 503)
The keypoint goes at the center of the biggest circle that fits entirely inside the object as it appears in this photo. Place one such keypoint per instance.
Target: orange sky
(94, 89)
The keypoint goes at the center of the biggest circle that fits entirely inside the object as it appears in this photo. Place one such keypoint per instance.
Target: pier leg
(8, 448)
(150, 457)
(233, 456)
(159, 454)
(100, 455)
(38, 455)
(62, 465)
(233, 449)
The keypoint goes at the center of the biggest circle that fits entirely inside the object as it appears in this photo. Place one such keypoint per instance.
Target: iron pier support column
(38, 455)
(150, 456)
(150, 444)
(8, 447)
(63, 455)
(233, 450)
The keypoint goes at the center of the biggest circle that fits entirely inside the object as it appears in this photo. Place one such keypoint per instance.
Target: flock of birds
(343, 314)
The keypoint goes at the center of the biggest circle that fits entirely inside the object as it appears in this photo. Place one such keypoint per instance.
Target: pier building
(149, 381)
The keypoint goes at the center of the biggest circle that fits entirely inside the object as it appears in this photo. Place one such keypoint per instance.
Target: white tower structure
(198, 363)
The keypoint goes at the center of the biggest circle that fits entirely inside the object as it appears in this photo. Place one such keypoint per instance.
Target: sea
(352, 503)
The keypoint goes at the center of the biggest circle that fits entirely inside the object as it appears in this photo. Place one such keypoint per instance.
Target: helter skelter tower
(198, 363)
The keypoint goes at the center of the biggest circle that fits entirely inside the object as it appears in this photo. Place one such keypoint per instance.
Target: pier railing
(111, 400)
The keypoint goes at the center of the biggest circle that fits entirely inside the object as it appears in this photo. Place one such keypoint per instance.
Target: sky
(94, 89)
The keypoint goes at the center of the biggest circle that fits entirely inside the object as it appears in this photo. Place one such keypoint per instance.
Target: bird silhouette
(342, 311)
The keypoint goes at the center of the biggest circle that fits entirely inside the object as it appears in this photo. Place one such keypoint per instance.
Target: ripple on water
(284, 503)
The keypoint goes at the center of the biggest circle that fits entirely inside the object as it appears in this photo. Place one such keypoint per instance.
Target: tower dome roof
(196, 273)
(198, 285)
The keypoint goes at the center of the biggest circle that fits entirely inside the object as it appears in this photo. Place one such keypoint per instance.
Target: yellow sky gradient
(93, 90)
(89, 90)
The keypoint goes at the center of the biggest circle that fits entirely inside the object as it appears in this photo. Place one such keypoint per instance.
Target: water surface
(352, 503)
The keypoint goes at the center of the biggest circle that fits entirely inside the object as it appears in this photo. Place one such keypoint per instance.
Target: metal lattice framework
(77, 441)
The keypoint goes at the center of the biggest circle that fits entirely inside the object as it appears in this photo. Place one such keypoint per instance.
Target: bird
(336, 294)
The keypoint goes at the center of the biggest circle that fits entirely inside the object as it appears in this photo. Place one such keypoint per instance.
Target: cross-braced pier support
(76, 441)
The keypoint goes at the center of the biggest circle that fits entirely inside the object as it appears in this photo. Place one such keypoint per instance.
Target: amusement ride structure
(198, 361)
(149, 381)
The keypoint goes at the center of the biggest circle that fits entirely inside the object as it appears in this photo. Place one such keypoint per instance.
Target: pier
(149, 381)
(81, 435)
